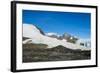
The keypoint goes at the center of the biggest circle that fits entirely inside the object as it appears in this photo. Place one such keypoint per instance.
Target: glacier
(32, 32)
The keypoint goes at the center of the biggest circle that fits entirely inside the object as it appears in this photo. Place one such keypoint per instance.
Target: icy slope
(32, 32)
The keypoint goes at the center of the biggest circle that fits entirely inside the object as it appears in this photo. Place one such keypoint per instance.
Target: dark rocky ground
(39, 53)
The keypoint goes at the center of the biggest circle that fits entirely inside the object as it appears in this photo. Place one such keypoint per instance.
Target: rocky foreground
(40, 53)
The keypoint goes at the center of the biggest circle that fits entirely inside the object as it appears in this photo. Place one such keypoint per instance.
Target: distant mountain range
(65, 37)
(33, 34)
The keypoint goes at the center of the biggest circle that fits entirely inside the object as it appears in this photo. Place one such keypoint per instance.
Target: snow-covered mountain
(51, 33)
(35, 35)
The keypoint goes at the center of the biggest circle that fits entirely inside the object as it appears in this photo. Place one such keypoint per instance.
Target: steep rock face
(37, 37)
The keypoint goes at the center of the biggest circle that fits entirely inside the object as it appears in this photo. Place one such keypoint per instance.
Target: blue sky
(76, 24)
